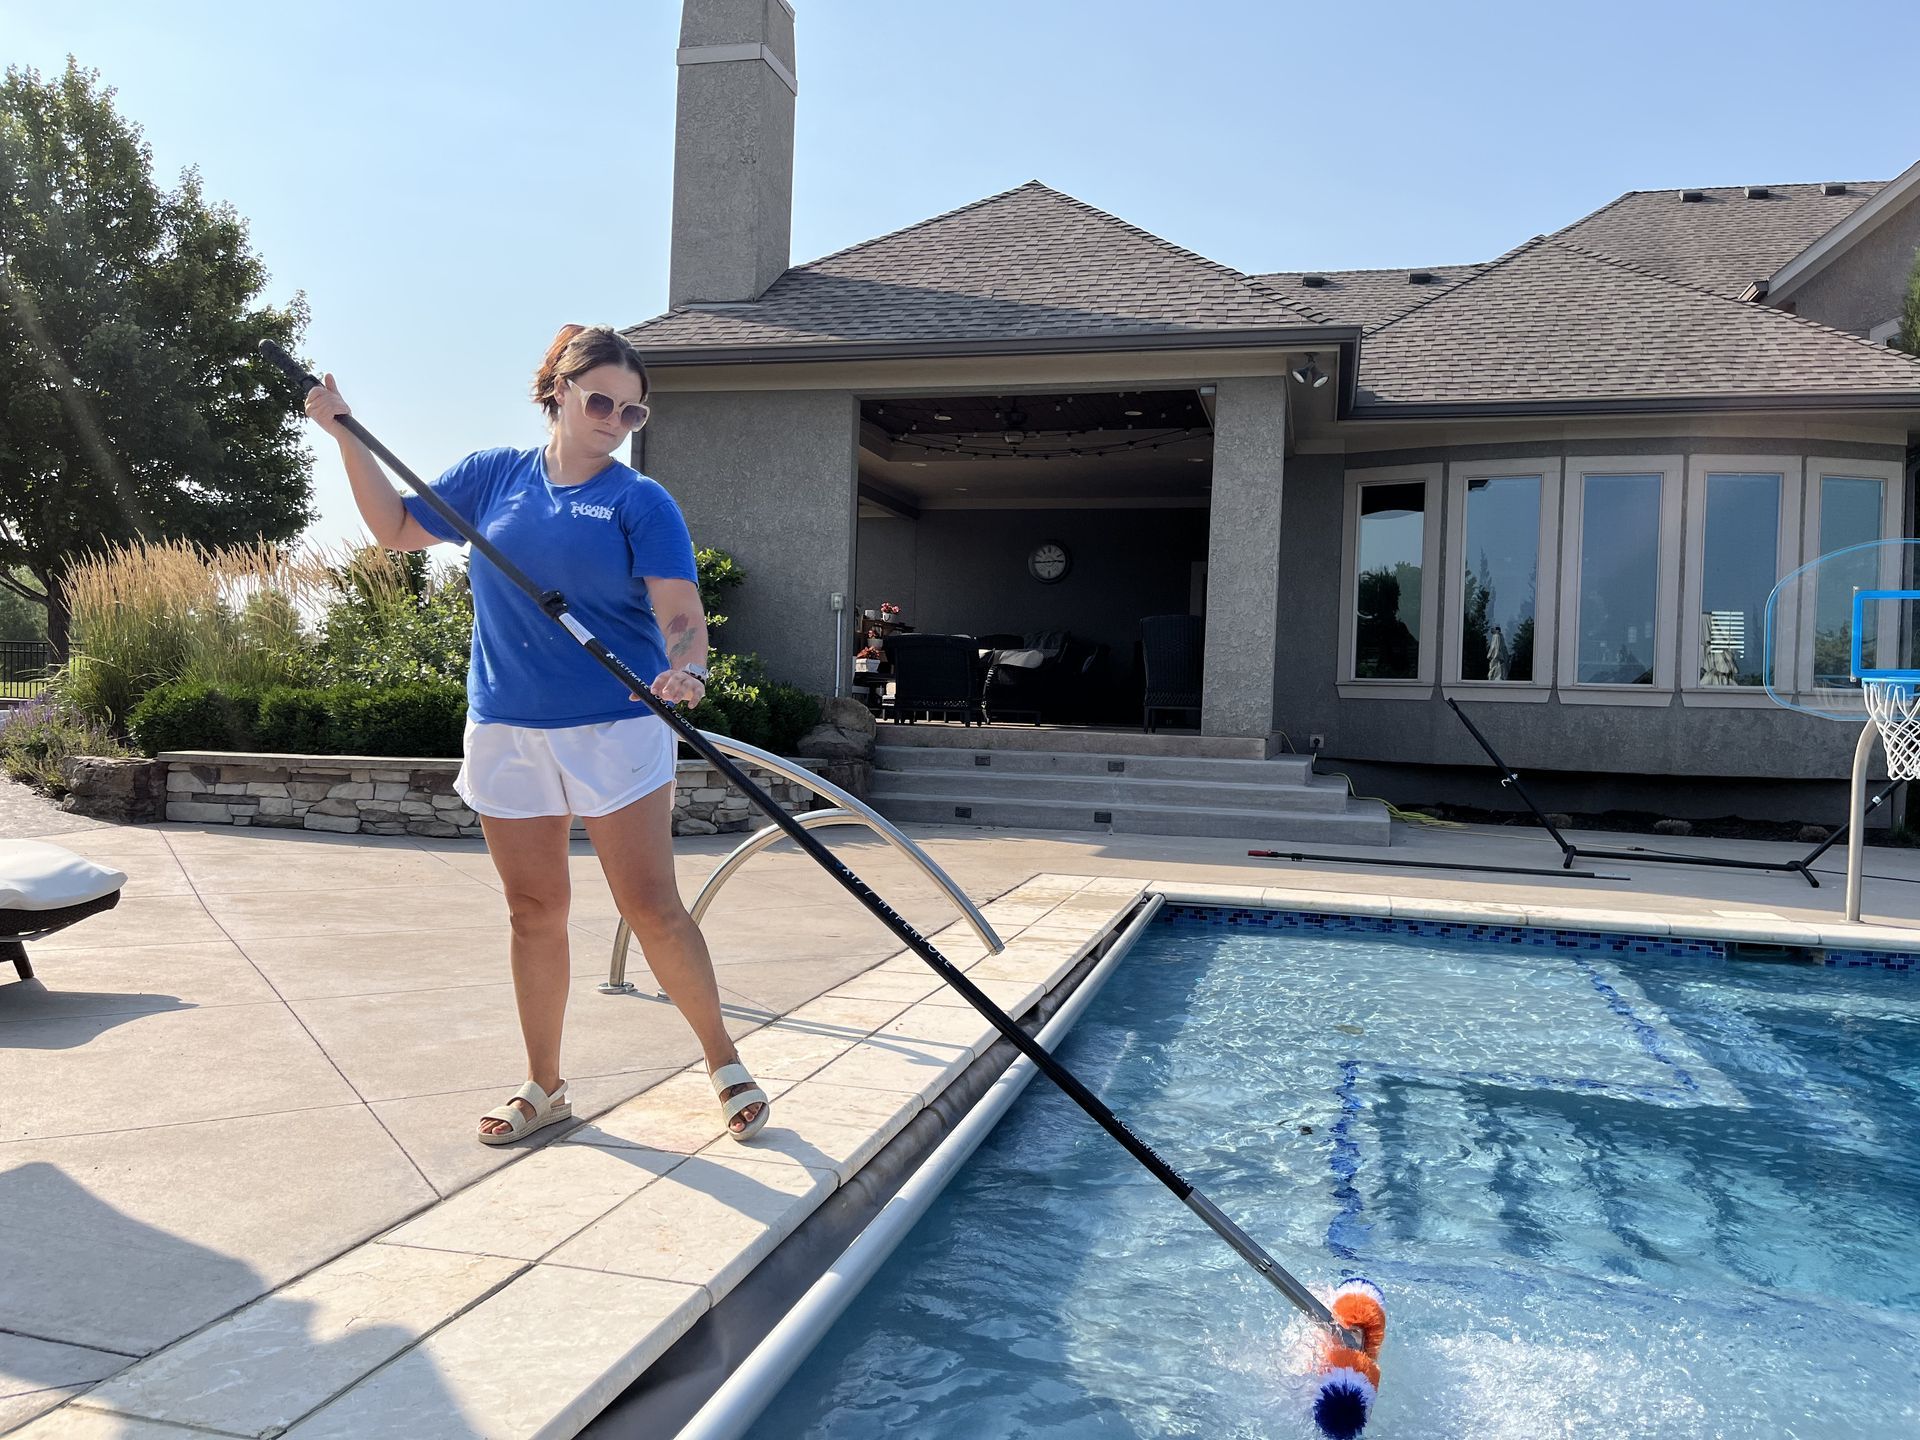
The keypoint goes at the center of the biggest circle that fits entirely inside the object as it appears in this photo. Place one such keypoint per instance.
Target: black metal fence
(24, 668)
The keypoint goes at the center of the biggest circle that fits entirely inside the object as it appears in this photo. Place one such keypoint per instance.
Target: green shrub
(382, 632)
(423, 718)
(752, 721)
(738, 683)
(294, 721)
(35, 737)
(194, 715)
(794, 712)
(711, 714)
(718, 573)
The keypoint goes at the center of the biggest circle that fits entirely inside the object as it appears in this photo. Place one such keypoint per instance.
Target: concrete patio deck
(276, 1047)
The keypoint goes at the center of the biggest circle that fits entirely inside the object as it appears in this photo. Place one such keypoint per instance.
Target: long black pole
(554, 603)
(1432, 864)
(1510, 778)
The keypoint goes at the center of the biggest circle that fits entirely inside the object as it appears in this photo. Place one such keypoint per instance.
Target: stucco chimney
(732, 150)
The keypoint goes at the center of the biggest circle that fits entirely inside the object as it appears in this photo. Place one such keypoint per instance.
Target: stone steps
(1319, 794)
(1355, 827)
(1281, 769)
(1071, 740)
(1117, 783)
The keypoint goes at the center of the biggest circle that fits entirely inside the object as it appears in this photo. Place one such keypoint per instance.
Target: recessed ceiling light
(943, 417)
(959, 487)
(1196, 459)
(1136, 412)
(919, 464)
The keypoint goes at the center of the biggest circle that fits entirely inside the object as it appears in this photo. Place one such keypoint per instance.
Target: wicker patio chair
(1170, 647)
(934, 675)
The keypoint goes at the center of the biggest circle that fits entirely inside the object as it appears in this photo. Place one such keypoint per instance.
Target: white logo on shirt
(597, 512)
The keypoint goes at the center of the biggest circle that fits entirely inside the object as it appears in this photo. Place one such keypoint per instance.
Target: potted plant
(868, 660)
(890, 613)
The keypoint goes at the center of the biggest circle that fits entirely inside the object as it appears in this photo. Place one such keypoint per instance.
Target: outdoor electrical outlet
(836, 601)
(1316, 742)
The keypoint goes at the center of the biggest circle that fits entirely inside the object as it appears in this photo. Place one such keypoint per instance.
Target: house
(1556, 485)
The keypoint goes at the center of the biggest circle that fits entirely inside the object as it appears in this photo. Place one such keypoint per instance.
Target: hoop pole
(1857, 818)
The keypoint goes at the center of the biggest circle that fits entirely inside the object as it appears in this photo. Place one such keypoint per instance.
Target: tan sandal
(547, 1110)
(731, 1108)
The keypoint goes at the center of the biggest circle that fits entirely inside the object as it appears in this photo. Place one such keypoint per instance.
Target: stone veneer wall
(382, 795)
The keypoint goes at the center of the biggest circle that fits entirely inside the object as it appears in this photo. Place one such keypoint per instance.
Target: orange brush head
(1350, 1379)
(1360, 1311)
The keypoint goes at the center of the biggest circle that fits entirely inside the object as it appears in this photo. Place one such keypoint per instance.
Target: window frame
(1893, 526)
(1546, 592)
(1671, 470)
(1792, 472)
(1352, 687)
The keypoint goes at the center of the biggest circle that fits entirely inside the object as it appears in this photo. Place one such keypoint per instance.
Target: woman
(550, 734)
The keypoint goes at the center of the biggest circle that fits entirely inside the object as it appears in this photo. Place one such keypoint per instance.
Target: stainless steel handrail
(850, 811)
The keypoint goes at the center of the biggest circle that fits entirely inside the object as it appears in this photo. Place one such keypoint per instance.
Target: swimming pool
(1611, 1186)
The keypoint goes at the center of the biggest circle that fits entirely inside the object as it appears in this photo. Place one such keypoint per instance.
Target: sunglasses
(600, 407)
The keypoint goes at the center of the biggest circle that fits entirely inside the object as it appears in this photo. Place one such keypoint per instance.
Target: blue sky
(450, 183)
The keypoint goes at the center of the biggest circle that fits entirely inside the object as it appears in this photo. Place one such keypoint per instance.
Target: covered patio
(1044, 526)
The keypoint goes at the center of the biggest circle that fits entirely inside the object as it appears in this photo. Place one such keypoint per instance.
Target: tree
(130, 405)
(1909, 340)
(20, 618)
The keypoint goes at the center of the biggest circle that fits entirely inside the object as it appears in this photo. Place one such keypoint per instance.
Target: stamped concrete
(208, 1116)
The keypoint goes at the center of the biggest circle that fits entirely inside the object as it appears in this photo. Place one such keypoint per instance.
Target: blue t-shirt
(593, 542)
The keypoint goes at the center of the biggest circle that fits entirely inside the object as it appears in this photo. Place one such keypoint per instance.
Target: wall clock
(1049, 562)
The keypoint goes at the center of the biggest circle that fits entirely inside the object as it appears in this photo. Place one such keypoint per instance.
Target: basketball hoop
(1894, 706)
(1843, 643)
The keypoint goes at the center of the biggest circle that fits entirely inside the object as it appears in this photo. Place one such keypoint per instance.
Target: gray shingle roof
(1028, 263)
(1722, 241)
(1554, 321)
(1366, 297)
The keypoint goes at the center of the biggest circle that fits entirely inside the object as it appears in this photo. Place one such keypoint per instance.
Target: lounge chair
(44, 888)
(1043, 676)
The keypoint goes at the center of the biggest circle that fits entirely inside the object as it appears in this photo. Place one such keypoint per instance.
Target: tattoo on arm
(682, 640)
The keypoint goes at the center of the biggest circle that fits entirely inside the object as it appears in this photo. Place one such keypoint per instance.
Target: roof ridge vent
(1690, 196)
(1758, 192)
(1313, 282)
(1419, 277)
(1834, 187)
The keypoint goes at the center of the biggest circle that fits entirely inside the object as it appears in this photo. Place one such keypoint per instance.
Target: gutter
(1343, 338)
(1637, 405)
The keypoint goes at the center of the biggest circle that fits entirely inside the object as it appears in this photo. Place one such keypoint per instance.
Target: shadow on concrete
(75, 1271)
(63, 1021)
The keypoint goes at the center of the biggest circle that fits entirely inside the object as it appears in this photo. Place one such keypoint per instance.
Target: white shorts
(514, 772)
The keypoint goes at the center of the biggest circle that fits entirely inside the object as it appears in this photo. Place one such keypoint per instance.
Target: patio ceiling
(1139, 447)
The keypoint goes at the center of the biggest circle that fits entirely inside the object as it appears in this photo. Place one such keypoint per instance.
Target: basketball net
(1894, 705)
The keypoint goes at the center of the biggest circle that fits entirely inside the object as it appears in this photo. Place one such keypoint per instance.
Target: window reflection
(1849, 515)
(1500, 574)
(1619, 580)
(1387, 603)
(1739, 564)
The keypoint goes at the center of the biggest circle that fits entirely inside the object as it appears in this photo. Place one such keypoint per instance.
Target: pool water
(1606, 1193)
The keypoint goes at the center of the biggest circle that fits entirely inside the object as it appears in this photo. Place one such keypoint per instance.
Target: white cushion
(38, 876)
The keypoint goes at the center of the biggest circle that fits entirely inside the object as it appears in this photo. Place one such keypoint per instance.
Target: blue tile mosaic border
(1533, 937)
